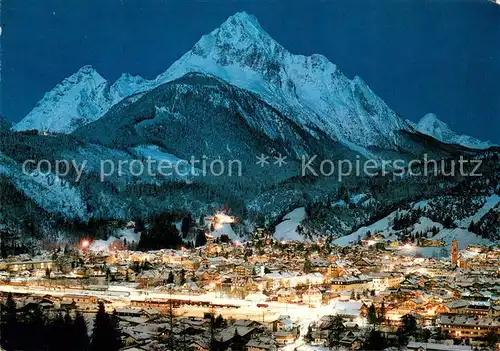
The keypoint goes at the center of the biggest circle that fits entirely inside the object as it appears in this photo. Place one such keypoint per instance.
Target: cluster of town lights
(220, 219)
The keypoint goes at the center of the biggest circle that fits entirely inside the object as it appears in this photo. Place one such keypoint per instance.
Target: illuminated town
(267, 294)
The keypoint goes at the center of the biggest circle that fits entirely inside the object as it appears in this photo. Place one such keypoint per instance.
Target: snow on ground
(128, 234)
(424, 204)
(346, 307)
(383, 225)
(225, 229)
(490, 203)
(340, 203)
(154, 152)
(347, 239)
(357, 198)
(287, 229)
(178, 225)
(424, 225)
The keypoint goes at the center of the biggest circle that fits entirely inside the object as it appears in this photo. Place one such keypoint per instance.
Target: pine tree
(448, 222)
(170, 279)
(105, 335)
(408, 328)
(81, 341)
(219, 321)
(35, 326)
(170, 315)
(375, 341)
(187, 223)
(381, 313)
(115, 334)
(201, 239)
(492, 338)
(182, 279)
(307, 266)
(57, 334)
(336, 329)
(237, 342)
(214, 345)
(372, 315)
(308, 338)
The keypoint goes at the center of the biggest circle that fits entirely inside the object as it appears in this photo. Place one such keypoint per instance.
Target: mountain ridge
(79, 99)
(310, 88)
(240, 51)
(431, 125)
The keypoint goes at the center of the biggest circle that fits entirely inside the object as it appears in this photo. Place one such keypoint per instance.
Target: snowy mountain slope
(287, 230)
(225, 229)
(427, 219)
(251, 97)
(447, 235)
(311, 90)
(431, 125)
(47, 191)
(153, 153)
(79, 99)
(191, 116)
(383, 226)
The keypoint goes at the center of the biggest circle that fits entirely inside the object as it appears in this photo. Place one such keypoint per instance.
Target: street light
(85, 244)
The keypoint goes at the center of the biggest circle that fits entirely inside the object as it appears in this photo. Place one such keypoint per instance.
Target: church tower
(454, 252)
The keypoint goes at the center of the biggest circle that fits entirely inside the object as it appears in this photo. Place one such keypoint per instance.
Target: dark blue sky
(419, 56)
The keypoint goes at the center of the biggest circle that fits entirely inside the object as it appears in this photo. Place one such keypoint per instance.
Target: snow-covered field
(424, 225)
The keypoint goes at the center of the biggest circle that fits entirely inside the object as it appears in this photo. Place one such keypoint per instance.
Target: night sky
(419, 56)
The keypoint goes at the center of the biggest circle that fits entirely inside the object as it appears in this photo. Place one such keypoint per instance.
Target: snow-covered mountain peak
(127, 84)
(430, 122)
(239, 39)
(85, 78)
(86, 70)
(239, 30)
(77, 100)
(243, 22)
(431, 125)
(86, 75)
(309, 89)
